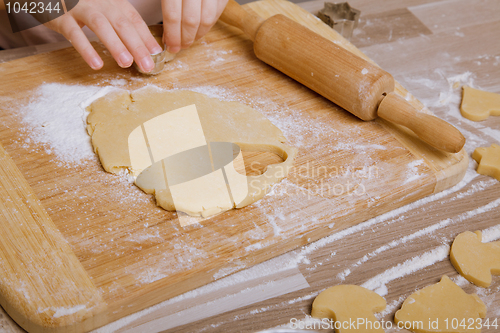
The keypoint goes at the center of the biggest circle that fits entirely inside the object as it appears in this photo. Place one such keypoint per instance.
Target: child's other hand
(185, 21)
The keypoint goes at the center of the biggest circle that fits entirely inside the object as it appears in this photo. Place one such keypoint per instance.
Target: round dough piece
(145, 131)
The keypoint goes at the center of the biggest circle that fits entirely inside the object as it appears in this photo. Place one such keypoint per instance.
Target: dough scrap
(135, 132)
(478, 105)
(488, 160)
(347, 303)
(428, 309)
(474, 260)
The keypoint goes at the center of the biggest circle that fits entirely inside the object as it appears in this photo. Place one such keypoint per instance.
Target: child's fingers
(131, 39)
(117, 24)
(72, 32)
(191, 12)
(208, 17)
(100, 25)
(142, 29)
(172, 14)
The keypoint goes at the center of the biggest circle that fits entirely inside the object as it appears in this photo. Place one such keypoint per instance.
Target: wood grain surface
(423, 57)
(40, 273)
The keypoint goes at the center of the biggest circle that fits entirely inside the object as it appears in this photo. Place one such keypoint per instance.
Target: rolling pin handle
(238, 17)
(432, 130)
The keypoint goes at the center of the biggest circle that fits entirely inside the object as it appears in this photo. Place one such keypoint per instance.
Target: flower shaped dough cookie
(441, 307)
(351, 307)
(474, 260)
(489, 160)
(478, 105)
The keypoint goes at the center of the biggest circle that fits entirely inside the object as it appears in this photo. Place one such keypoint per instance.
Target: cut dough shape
(488, 160)
(142, 132)
(478, 105)
(348, 303)
(438, 307)
(474, 260)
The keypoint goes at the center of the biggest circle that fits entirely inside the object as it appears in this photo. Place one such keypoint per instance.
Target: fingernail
(125, 59)
(96, 63)
(147, 63)
(173, 49)
(157, 49)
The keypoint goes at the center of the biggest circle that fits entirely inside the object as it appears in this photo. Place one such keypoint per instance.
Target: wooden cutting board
(79, 248)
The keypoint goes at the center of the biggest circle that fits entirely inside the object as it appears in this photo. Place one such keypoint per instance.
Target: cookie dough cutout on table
(488, 160)
(478, 105)
(347, 303)
(434, 308)
(474, 260)
(169, 142)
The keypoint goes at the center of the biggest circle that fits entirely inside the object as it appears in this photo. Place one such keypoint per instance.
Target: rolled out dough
(140, 132)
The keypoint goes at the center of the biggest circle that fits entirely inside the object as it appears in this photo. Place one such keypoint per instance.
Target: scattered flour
(391, 307)
(118, 82)
(301, 254)
(460, 281)
(192, 311)
(228, 270)
(152, 274)
(61, 312)
(56, 119)
(413, 174)
(450, 97)
(378, 282)
(491, 234)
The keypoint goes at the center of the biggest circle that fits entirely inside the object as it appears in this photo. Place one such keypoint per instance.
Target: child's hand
(185, 21)
(117, 24)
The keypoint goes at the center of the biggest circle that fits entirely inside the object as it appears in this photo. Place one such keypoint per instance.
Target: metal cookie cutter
(160, 58)
(341, 17)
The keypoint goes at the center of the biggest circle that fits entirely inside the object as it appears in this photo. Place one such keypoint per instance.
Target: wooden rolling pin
(349, 81)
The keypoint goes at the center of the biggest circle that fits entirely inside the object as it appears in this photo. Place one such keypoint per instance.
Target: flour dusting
(56, 119)
(379, 282)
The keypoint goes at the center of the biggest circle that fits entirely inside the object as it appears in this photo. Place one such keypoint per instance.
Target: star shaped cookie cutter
(341, 17)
